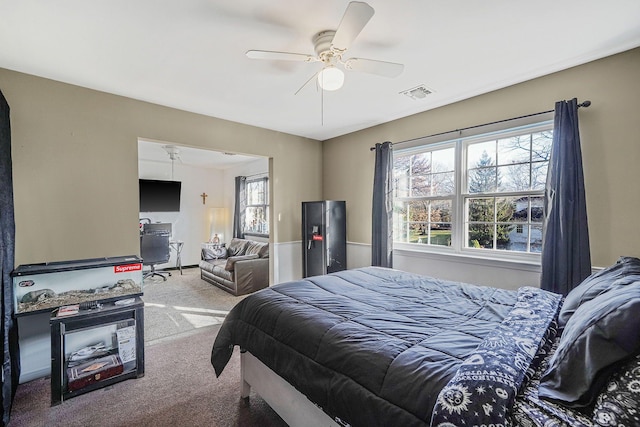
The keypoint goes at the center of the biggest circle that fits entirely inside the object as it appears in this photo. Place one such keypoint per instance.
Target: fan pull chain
(321, 107)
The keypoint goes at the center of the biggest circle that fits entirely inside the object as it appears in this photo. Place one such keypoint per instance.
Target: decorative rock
(40, 295)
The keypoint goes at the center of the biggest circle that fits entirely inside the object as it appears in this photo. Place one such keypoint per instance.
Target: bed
(376, 346)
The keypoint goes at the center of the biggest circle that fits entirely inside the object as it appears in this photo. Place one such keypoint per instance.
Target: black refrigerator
(324, 237)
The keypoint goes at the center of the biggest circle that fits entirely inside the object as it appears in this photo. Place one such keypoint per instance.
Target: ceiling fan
(174, 154)
(172, 151)
(330, 47)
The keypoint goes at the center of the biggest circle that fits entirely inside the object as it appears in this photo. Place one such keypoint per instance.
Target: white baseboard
(33, 375)
(461, 269)
(288, 259)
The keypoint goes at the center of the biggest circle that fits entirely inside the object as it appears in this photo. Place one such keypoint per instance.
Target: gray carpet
(182, 303)
(182, 317)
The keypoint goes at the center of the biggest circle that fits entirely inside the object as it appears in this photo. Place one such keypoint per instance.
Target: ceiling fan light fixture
(330, 78)
(172, 151)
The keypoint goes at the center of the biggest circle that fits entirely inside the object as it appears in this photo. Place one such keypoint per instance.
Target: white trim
(468, 265)
(466, 258)
(478, 131)
(33, 375)
(287, 261)
(502, 259)
(461, 140)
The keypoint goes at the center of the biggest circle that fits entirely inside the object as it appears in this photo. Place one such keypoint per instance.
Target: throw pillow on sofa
(259, 248)
(237, 247)
(231, 261)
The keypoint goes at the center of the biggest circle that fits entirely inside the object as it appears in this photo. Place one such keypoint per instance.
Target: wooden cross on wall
(204, 197)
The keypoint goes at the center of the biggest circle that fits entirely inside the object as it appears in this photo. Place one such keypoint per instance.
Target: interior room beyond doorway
(206, 197)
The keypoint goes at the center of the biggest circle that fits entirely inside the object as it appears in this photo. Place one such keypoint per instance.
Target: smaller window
(257, 209)
(424, 189)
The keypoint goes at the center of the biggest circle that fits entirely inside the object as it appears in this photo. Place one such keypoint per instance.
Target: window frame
(265, 206)
(493, 131)
(431, 198)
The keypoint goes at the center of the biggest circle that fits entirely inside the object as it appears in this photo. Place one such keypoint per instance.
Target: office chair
(154, 249)
(157, 228)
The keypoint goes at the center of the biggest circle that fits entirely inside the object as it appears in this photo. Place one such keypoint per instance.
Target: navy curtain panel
(240, 206)
(11, 357)
(566, 260)
(382, 211)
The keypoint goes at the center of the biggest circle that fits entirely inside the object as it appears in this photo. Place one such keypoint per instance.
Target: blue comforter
(375, 346)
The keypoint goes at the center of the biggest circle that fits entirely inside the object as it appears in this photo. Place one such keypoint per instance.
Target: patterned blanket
(483, 390)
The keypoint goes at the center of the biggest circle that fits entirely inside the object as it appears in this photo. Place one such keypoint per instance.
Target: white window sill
(525, 262)
(264, 236)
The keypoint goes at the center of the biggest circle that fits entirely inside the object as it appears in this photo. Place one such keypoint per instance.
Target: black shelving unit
(82, 327)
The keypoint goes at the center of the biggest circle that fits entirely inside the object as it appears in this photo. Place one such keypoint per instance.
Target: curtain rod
(266, 174)
(584, 104)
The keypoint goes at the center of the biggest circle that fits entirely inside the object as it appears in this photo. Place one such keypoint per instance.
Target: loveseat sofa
(240, 268)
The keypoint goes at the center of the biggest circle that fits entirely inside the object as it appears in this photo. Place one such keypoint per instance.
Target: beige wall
(610, 133)
(75, 166)
(75, 158)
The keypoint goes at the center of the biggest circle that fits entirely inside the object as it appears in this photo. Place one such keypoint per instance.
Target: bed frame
(292, 406)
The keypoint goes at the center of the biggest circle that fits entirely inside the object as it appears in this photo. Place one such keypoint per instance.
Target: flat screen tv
(159, 196)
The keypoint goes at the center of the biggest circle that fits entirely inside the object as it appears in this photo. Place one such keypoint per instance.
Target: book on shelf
(68, 310)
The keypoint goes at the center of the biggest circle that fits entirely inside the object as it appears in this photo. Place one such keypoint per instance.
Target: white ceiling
(159, 152)
(190, 54)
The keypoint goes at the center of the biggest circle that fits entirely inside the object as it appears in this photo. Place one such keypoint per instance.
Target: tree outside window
(481, 192)
(424, 184)
(510, 174)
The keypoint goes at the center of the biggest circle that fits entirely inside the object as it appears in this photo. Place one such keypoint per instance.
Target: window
(477, 193)
(257, 207)
(424, 190)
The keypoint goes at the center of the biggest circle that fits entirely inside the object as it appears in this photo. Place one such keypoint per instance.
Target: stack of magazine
(68, 310)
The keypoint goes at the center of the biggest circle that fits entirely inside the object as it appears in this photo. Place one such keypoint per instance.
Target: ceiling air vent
(419, 92)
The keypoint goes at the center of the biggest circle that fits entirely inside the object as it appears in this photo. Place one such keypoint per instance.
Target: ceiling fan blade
(353, 21)
(280, 56)
(381, 68)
